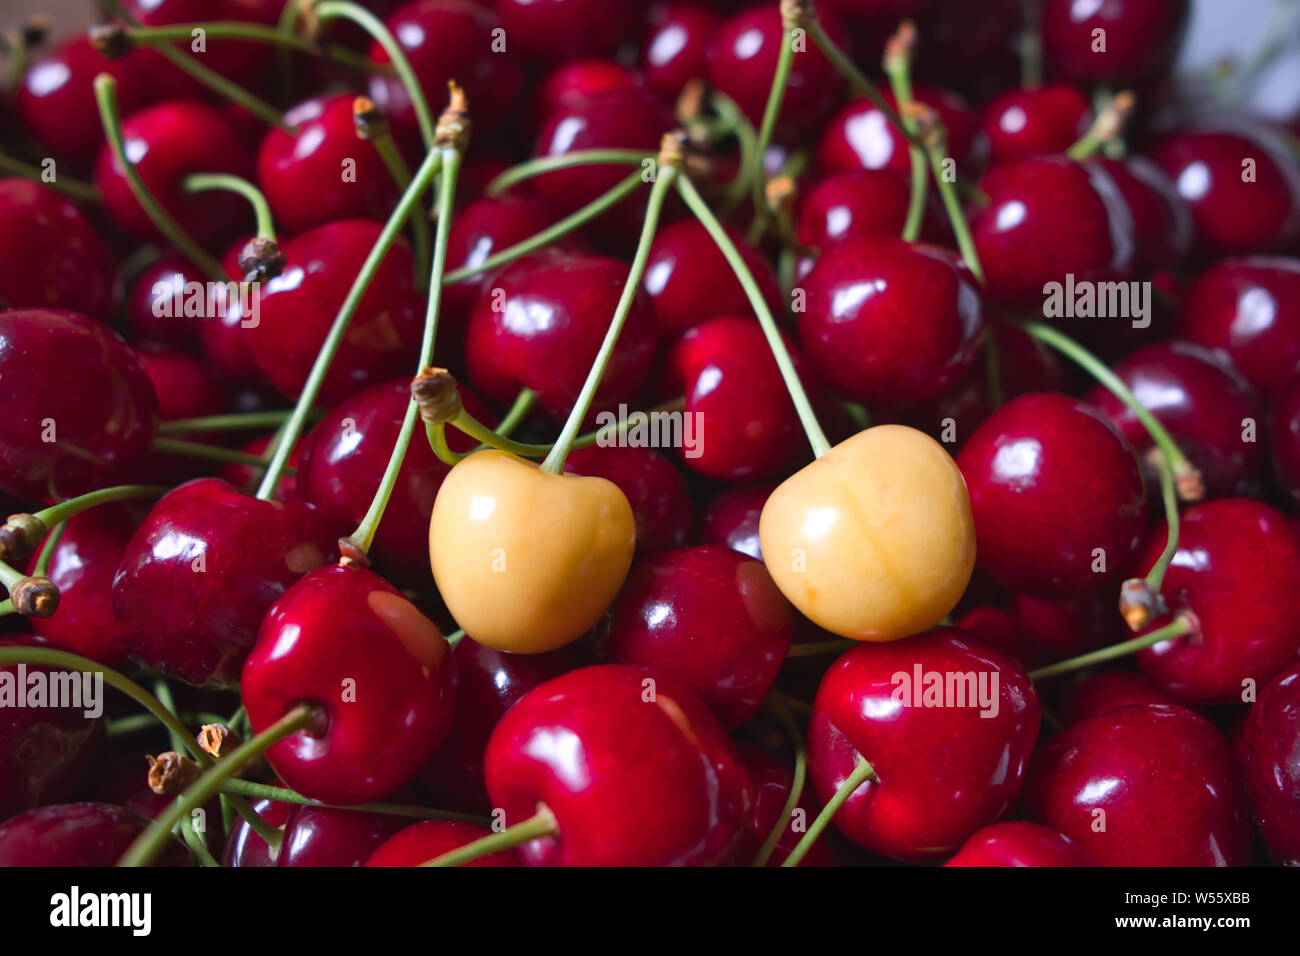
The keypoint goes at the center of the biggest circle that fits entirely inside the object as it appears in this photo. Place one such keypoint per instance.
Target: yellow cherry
(874, 540)
(526, 560)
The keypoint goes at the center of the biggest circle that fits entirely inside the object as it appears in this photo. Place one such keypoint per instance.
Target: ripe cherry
(328, 836)
(1269, 749)
(1109, 690)
(77, 834)
(243, 846)
(772, 779)
(862, 204)
(149, 310)
(860, 136)
(1022, 122)
(677, 44)
(1138, 42)
(1057, 629)
(1284, 438)
(246, 478)
(1162, 220)
(731, 519)
(661, 504)
(425, 841)
(1018, 844)
(552, 31)
(571, 83)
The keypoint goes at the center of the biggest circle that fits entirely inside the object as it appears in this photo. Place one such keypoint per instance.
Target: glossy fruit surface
(661, 504)
(1138, 40)
(1284, 437)
(77, 834)
(676, 45)
(328, 836)
(1017, 844)
(1270, 759)
(1109, 690)
(861, 204)
(1021, 123)
(425, 841)
(555, 30)
(861, 136)
(772, 779)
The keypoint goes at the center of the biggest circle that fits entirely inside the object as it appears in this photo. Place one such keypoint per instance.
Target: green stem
(72, 188)
(1179, 626)
(545, 164)
(259, 791)
(254, 33)
(194, 449)
(10, 576)
(163, 692)
(223, 87)
(397, 168)
(1031, 45)
(202, 182)
(898, 67)
(771, 110)
(796, 786)
(517, 412)
(198, 848)
(64, 510)
(817, 648)
(539, 825)
(140, 722)
(218, 423)
(1169, 496)
(857, 80)
(956, 215)
(42, 567)
(734, 120)
(437, 435)
(860, 775)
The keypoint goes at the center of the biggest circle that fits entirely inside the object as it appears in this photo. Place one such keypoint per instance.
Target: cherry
(711, 616)
(243, 62)
(77, 834)
(50, 255)
(862, 204)
(633, 767)
(1205, 405)
(243, 846)
(1021, 122)
(1235, 569)
(889, 321)
(541, 324)
(328, 836)
(299, 305)
(153, 295)
(1160, 777)
(166, 143)
(1107, 691)
(927, 797)
(552, 31)
(425, 841)
(1017, 844)
(201, 570)
(731, 519)
(1140, 39)
(772, 779)
(1058, 500)
(246, 478)
(1284, 437)
(1270, 763)
(380, 672)
(1049, 217)
(572, 83)
(1162, 220)
(56, 441)
(1234, 213)
(186, 388)
(661, 505)
(860, 136)
(677, 44)
(1248, 308)
(1055, 630)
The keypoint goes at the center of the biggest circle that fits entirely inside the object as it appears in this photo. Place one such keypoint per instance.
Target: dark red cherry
(1162, 221)
(860, 136)
(773, 777)
(77, 834)
(1208, 408)
(1146, 785)
(551, 31)
(381, 673)
(1236, 570)
(633, 767)
(862, 204)
(540, 324)
(246, 478)
(900, 707)
(1058, 629)
(1018, 844)
(80, 409)
(711, 616)
(421, 842)
(890, 322)
(1021, 122)
(1107, 691)
(677, 44)
(571, 83)
(1270, 761)
(200, 572)
(1138, 39)
(186, 388)
(244, 62)
(150, 311)
(166, 143)
(243, 846)
(328, 836)
(299, 305)
(1284, 437)
(50, 255)
(1248, 308)
(731, 519)
(1058, 500)
(661, 504)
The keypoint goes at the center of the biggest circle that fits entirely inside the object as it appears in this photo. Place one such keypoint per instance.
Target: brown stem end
(19, 536)
(35, 597)
(1139, 605)
(434, 391)
(171, 773)
(454, 127)
(368, 119)
(261, 259)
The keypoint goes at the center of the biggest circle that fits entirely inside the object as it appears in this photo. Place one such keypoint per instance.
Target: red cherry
(1018, 844)
(552, 31)
(772, 779)
(731, 519)
(77, 834)
(425, 841)
(1284, 437)
(1054, 630)
(1159, 776)
(243, 846)
(327, 836)
(929, 796)
(1020, 123)
(1162, 220)
(863, 204)
(860, 136)
(244, 62)
(1140, 39)
(634, 769)
(246, 478)
(1107, 691)
(1270, 762)
(571, 83)
(677, 44)
(346, 640)
(661, 504)
(154, 294)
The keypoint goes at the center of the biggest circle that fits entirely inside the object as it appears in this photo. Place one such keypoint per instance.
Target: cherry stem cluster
(541, 824)
(202, 182)
(1179, 626)
(797, 783)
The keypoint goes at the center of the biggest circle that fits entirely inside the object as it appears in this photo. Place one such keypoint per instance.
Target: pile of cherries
(366, 608)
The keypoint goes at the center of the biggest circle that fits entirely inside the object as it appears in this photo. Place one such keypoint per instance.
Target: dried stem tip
(454, 124)
(36, 29)
(797, 14)
(1139, 605)
(19, 536)
(930, 131)
(35, 597)
(217, 740)
(111, 40)
(170, 773)
(261, 259)
(368, 119)
(780, 193)
(351, 556)
(1188, 483)
(901, 46)
(672, 148)
(1110, 122)
(435, 391)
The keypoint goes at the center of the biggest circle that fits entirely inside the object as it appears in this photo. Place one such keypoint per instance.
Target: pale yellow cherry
(526, 560)
(874, 540)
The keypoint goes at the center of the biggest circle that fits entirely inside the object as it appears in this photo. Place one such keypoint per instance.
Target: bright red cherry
(1018, 844)
(1109, 690)
(80, 409)
(1270, 761)
(328, 836)
(1147, 785)
(861, 204)
(1284, 438)
(677, 44)
(860, 136)
(731, 519)
(243, 846)
(633, 767)
(241, 61)
(772, 779)
(552, 31)
(1162, 220)
(201, 570)
(1021, 122)
(246, 478)
(1138, 42)
(571, 83)
(661, 504)
(426, 841)
(900, 706)
(379, 670)
(77, 834)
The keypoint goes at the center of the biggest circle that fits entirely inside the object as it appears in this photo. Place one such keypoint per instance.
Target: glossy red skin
(157, 286)
(661, 504)
(243, 846)
(199, 626)
(1231, 216)
(187, 387)
(677, 44)
(1107, 691)
(1162, 220)
(742, 59)
(571, 83)
(168, 142)
(298, 307)
(890, 322)
(243, 62)
(246, 478)
(1051, 480)
(1284, 438)
(1269, 749)
(325, 836)
(45, 752)
(1236, 569)
(862, 204)
(1165, 780)
(1047, 217)
(930, 796)
(690, 282)
(1142, 39)
(340, 624)
(1248, 308)
(772, 779)
(552, 31)
(449, 40)
(50, 255)
(860, 136)
(554, 311)
(1203, 404)
(430, 839)
(101, 403)
(77, 834)
(1017, 844)
(1056, 630)
(1020, 123)
(731, 519)
(488, 683)
(631, 782)
(710, 615)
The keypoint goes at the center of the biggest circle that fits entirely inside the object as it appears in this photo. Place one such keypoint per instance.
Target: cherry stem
(861, 774)
(64, 510)
(775, 96)
(320, 368)
(935, 151)
(796, 785)
(42, 567)
(471, 426)
(255, 33)
(820, 647)
(517, 412)
(548, 235)
(1155, 578)
(734, 120)
(541, 824)
(72, 188)
(193, 449)
(197, 847)
(387, 149)
(260, 791)
(136, 723)
(1031, 45)
(1112, 114)
(668, 173)
(898, 67)
(816, 437)
(217, 423)
(10, 576)
(151, 842)
(163, 692)
(111, 118)
(584, 157)
(858, 81)
(1179, 626)
(203, 182)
